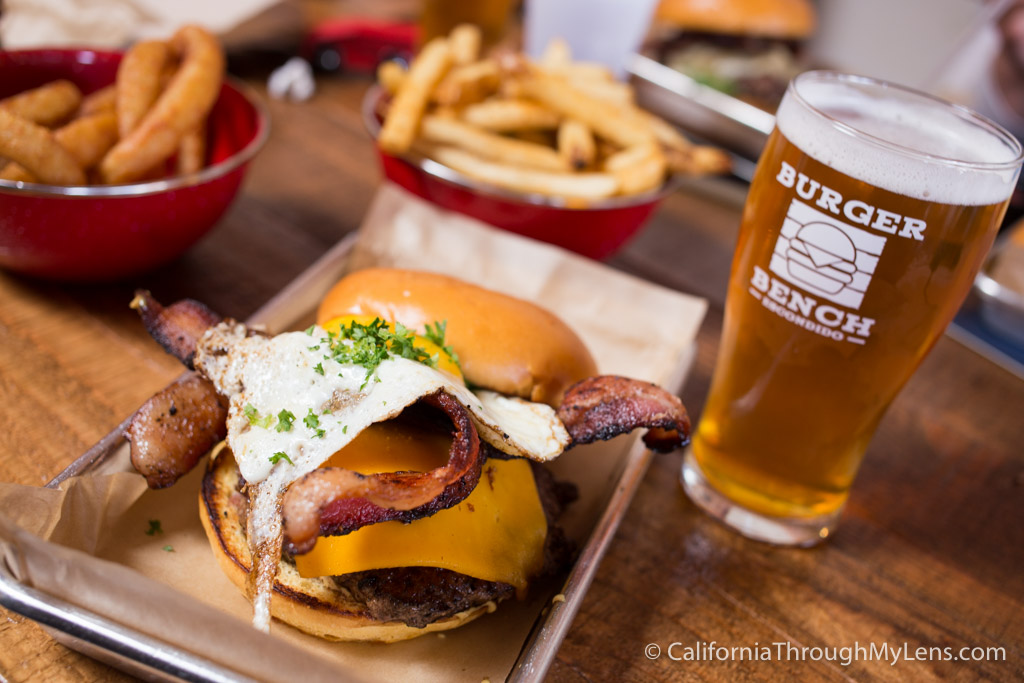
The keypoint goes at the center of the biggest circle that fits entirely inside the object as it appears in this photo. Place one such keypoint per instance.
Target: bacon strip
(335, 501)
(177, 328)
(599, 408)
(174, 428)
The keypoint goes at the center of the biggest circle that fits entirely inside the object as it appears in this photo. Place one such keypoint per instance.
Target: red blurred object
(597, 231)
(358, 45)
(106, 232)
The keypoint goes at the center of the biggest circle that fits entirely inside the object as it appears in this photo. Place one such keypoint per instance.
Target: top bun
(763, 18)
(505, 344)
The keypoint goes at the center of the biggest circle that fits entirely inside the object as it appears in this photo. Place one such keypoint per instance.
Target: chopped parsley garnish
(371, 344)
(344, 430)
(279, 456)
(319, 434)
(310, 330)
(154, 528)
(311, 420)
(254, 418)
(168, 549)
(284, 421)
(319, 368)
(436, 335)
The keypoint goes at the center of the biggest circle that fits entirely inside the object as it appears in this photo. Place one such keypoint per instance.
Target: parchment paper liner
(632, 327)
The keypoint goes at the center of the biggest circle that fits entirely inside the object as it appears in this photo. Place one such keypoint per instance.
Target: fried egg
(292, 406)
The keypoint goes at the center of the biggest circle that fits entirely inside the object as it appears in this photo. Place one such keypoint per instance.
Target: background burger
(392, 580)
(746, 48)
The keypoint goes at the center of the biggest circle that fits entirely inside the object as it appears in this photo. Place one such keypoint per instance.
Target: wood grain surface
(930, 550)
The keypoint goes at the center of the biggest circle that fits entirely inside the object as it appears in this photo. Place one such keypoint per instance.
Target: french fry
(391, 75)
(463, 85)
(46, 105)
(639, 169)
(667, 134)
(630, 156)
(469, 83)
(545, 138)
(179, 110)
(698, 160)
(576, 144)
(607, 91)
(551, 127)
(88, 138)
(607, 120)
(139, 82)
(102, 100)
(37, 150)
(570, 186)
(411, 99)
(581, 71)
(512, 88)
(465, 40)
(445, 131)
(503, 116)
(556, 54)
(192, 151)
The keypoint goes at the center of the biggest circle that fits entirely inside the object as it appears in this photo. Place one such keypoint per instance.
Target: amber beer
(439, 17)
(868, 217)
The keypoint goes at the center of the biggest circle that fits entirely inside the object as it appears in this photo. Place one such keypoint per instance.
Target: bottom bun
(315, 605)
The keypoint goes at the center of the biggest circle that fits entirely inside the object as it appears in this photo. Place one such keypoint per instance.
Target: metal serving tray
(137, 653)
(991, 321)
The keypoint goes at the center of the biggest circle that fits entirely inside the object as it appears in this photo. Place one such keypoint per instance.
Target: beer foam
(911, 122)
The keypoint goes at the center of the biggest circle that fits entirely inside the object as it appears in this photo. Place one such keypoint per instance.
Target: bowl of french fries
(113, 163)
(552, 149)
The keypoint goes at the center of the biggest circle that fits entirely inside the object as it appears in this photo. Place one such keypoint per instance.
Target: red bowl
(105, 232)
(598, 230)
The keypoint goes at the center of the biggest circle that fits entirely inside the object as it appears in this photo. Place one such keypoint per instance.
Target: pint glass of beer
(868, 217)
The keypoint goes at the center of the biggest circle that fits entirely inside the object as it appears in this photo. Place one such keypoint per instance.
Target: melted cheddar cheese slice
(496, 534)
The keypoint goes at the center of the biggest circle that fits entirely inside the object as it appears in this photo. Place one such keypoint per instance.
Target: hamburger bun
(504, 344)
(314, 605)
(783, 19)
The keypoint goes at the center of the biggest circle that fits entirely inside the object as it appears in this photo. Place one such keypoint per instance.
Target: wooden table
(931, 547)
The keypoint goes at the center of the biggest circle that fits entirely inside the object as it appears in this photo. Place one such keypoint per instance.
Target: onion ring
(138, 82)
(87, 139)
(46, 105)
(336, 501)
(102, 100)
(36, 149)
(179, 110)
(192, 151)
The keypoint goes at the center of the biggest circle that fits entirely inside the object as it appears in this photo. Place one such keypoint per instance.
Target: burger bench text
(853, 210)
(822, 319)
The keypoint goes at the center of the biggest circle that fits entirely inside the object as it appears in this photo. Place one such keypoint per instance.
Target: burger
(381, 476)
(749, 49)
